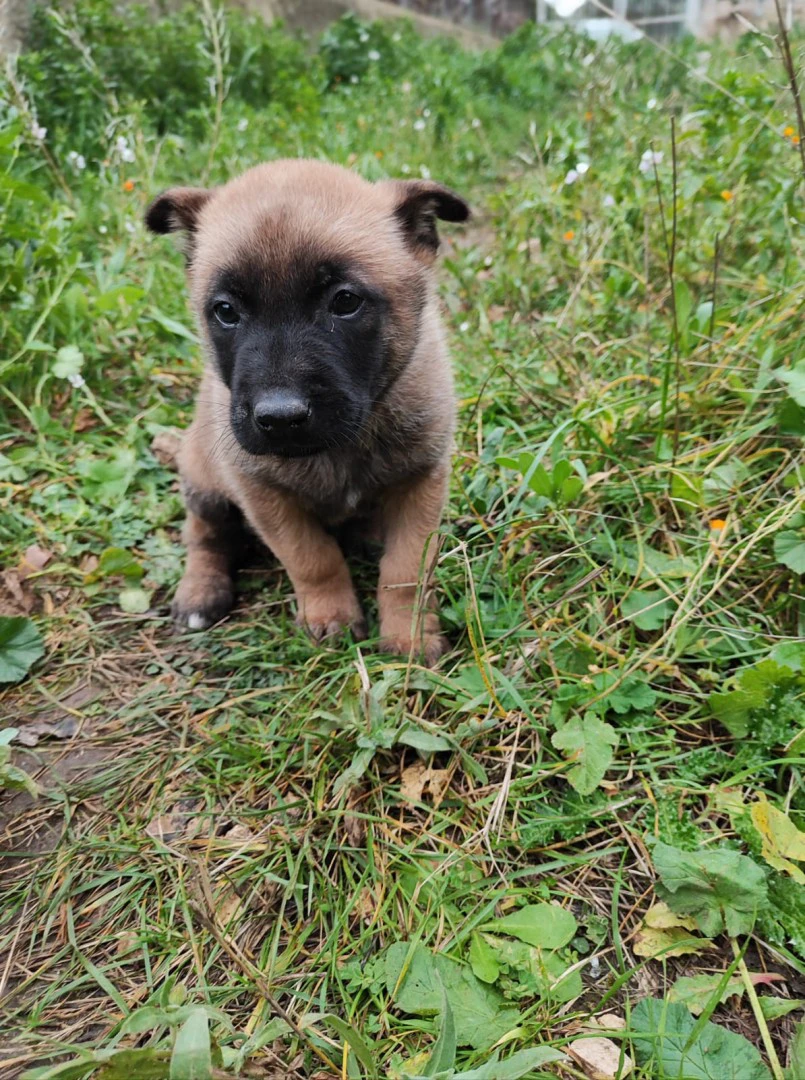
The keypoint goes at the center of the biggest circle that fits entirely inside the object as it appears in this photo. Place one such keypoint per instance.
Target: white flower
(75, 379)
(419, 125)
(609, 201)
(405, 169)
(464, 327)
(354, 79)
(363, 37)
(424, 172)
(78, 161)
(127, 155)
(38, 132)
(571, 177)
(102, 229)
(373, 54)
(121, 143)
(406, 88)
(582, 167)
(651, 103)
(488, 260)
(243, 123)
(129, 226)
(475, 122)
(649, 159)
(426, 112)
(396, 37)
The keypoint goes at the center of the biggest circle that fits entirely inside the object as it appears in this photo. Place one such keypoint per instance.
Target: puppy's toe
(200, 603)
(326, 618)
(430, 648)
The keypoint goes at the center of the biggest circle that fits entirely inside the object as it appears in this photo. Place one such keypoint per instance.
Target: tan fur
(397, 470)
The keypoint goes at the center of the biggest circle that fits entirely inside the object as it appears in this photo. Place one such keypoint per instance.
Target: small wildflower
(788, 132)
(571, 176)
(354, 79)
(405, 169)
(717, 526)
(128, 185)
(76, 379)
(649, 159)
(406, 88)
(424, 172)
(651, 103)
(426, 112)
(78, 161)
(379, 155)
(568, 236)
(102, 229)
(243, 123)
(609, 201)
(396, 37)
(582, 167)
(795, 140)
(475, 122)
(129, 226)
(419, 125)
(38, 132)
(727, 196)
(588, 116)
(363, 37)
(373, 54)
(464, 327)
(488, 260)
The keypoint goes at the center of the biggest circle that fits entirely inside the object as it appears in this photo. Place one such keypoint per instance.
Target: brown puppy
(327, 394)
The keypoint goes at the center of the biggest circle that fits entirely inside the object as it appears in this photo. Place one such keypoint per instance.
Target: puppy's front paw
(202, 601)
(324, 614)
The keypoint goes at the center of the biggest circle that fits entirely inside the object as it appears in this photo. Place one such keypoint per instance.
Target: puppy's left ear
(176, 210)
(417, 205)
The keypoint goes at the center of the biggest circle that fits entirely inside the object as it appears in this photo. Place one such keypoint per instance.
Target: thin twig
(788, 63)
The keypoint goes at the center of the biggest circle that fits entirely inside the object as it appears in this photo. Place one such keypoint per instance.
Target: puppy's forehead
(298, 219)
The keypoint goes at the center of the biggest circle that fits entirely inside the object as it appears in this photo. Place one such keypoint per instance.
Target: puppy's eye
(225, 314)
(345, 303)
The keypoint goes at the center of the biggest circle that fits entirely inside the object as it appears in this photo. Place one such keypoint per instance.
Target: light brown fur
(395, 470)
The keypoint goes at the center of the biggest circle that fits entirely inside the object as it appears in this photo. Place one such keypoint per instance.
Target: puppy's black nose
(280, 410)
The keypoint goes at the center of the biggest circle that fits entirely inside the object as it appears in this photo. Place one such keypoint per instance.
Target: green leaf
(354, 1040)
(774, 1007)
(482, 960)
(443, 1057)
(794, 381)
(662, 1031)
(115, 561)
(697, 991)
(540, 483)
(524, 1061)
(546, 926)
(173, 326)
(69, 361)
(756, 686)
(789, 549)
(648, 609)
(426, 741)
(722, 890)
(192, 1053)
(589, 744)
(479, 1012)
(134, 601)
(796, 1054)
(633, 694)
(21, 645)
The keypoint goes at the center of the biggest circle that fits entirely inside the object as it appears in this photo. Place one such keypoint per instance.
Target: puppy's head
(309, 284)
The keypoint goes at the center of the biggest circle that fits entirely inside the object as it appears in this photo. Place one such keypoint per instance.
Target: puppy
(328, 392)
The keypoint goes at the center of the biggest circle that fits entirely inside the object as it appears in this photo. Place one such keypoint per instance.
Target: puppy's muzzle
(281, 412)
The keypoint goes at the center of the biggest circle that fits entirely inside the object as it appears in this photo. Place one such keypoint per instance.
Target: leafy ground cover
(576, 845)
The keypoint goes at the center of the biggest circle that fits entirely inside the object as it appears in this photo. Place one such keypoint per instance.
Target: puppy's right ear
(176, 210)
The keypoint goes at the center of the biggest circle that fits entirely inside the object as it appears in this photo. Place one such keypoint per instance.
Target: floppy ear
(177, 209)
(418, 203)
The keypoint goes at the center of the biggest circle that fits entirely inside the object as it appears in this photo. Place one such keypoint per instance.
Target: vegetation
(238, 853)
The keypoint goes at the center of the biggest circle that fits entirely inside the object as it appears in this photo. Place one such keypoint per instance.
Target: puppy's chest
(339, 490)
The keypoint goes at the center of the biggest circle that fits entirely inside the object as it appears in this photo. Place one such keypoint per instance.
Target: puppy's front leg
(325, 596)
(410, 518)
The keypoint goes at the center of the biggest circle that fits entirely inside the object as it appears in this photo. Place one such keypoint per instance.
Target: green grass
(234, 819)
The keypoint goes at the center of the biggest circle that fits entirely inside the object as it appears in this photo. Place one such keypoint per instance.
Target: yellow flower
(588, 116)
(568, 236)
(795, 140)
(717, 524)
(128, 185)
(727, 195)
(788, 132)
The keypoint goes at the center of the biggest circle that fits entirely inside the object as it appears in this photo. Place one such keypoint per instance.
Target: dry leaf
(674, 941)
(496, 313)
(84, 420)
(34, 560)
(608, 1022)
(782, 840)
(660, 917)
(239, 834)
(17, 598)
(166, 827)
(419, 779)
(355, 829)
(227, 905)
(601, 1059)
(32, 733)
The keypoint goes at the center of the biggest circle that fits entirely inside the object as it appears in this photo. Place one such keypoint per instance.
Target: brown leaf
(496, 313)
(419, 779)
(30, 734)
(16, 597)
(601, 1059)
(355, 829)
(165, 446)
(239, 834)
(34, 560)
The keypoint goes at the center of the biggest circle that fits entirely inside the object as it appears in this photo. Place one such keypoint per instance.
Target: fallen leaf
(239, 834)
(660, 917)
(608, 1022)
(420, 779)
(773, 1008)
(34, 560)
(165, 447)
(19, 599)
(782, 840)
(166, 827)
(674, 941)
(697, 991)
(355, 829)
(601, 1059)
(32, 733)
(546, 926)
